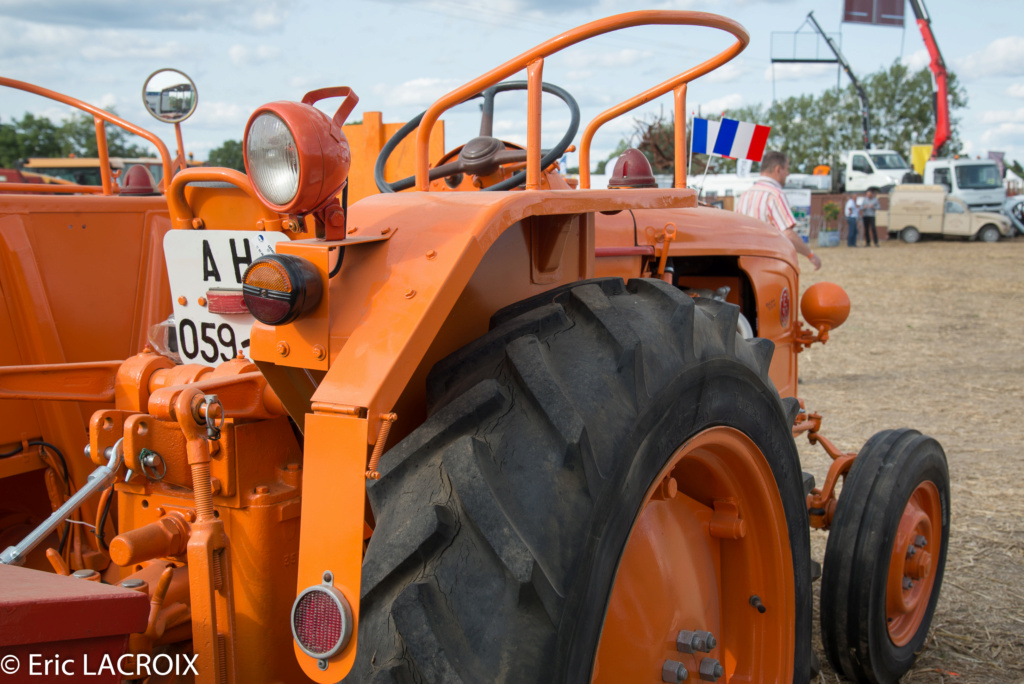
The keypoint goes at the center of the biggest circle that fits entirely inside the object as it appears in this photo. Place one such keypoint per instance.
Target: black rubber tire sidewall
(885, 474)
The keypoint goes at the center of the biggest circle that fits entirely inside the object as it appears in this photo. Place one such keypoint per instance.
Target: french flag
(729, 138)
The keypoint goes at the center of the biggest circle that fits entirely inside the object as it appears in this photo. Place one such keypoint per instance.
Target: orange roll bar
(47, 188)
(696, 19)
(101, 139)
(560, 42)
(535, 80)
(680, 136)
(181, 212)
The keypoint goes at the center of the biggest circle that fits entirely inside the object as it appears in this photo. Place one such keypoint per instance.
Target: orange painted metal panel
(401, 315)
(776, 289)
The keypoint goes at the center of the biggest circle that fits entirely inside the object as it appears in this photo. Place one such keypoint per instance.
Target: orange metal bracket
(805, 337)
(325, 543)
(821, 502)
(670, 235)
(243, 396)
(533, 59)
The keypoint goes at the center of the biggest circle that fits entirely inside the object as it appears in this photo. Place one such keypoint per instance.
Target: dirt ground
(935, 341)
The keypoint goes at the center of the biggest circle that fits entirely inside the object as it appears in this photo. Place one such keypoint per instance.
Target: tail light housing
(321, 620)
(278, 288)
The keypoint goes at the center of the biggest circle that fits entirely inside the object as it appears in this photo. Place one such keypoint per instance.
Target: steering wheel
(484, 154)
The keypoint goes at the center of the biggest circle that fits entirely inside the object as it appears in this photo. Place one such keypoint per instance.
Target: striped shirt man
(766, 201)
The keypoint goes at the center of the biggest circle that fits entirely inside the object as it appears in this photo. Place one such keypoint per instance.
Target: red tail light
(278, 288)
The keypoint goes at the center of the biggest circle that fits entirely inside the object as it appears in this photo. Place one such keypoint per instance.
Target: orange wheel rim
(711, 533)
(913, 564)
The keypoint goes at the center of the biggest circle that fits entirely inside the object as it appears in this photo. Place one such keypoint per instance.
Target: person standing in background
(852, 212)
(766, 201)
(867, 214)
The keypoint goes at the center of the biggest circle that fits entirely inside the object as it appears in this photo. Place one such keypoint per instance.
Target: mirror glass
(170, 95)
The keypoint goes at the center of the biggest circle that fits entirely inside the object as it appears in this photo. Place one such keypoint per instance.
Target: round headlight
(296, 157)
(273, 159)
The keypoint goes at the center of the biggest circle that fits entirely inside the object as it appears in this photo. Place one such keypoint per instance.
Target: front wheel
(989, 233)
(608, 467)
(894, 508)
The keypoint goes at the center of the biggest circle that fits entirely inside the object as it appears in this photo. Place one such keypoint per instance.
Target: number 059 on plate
(205, 269)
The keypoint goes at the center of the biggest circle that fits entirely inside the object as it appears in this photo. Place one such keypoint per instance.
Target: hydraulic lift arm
(865, 110)
(938, 67)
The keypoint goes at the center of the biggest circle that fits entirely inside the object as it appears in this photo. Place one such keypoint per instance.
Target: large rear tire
(512, 519)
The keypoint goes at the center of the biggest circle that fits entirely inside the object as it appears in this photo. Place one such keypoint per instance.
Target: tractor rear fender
(396, 307)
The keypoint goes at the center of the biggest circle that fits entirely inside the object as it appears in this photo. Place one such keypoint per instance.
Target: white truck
(976, 181)
(863, 169)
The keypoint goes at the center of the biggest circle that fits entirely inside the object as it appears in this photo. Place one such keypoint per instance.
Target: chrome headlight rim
(273, 159)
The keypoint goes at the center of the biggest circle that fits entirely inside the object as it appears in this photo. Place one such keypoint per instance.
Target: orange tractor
(500, 427)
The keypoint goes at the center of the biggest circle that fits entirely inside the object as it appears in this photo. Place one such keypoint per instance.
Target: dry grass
(935, 341)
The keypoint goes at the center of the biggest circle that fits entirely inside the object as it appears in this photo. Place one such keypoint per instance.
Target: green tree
(813, 129)
(38, 136)
(79, 138)
(32, 136)
(228, 155)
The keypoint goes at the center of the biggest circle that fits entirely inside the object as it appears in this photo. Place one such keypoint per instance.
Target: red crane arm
(938, 68)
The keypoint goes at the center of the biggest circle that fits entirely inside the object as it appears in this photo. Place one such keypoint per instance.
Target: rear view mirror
(170, 95)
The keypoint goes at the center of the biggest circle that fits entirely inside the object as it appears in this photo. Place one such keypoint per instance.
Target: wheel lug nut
(911, 551)
(693, 641)
(673, 672)
(920, 541)
(711, 670)
(908, 583)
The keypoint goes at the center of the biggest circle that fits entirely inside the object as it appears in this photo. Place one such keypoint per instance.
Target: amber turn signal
(278, 288)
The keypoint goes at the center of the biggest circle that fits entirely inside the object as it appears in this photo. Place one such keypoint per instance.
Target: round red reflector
(321, 621)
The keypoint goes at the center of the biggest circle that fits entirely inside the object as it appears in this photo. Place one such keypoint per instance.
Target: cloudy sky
(399, 55)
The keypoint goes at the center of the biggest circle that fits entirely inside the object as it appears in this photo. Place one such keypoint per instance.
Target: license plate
(205, 269)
